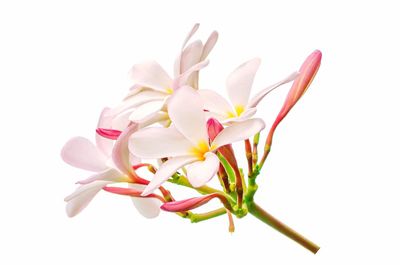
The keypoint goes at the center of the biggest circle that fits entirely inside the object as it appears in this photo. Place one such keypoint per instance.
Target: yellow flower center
(239, 109)
(169, 90)
(200, 149)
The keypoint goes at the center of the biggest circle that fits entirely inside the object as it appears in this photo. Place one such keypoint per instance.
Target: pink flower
(111, 164)
(186, 142)
(238, 85)
(153, 84)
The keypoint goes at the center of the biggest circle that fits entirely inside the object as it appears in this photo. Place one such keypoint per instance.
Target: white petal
(209, 45)
(184, 78)
(82, 196)
(177, 65)
(191, 55)
(260, 95)
(150, 119)
(144, 110)
(81, 153)
(138, 99)
(148, 207)
(185, 109)
(121, 121)
(151, 74)
(200, 172)
(240, 81)
(120, 153)
(214, 102)
(104, 144)
(134, 90)
(190, 35)
(238, 131)
(109, 174)
(166, 170)
(159, 143)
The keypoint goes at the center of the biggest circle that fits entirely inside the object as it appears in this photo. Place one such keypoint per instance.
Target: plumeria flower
(109, 163)
(153, 84)
(186, 142)
(193, 143)
(238, 85)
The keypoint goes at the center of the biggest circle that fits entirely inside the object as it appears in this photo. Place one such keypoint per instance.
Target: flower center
(169, 90)
(239, 109)
(200, 149)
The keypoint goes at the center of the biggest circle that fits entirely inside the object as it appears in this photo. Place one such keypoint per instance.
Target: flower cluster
(188, 132)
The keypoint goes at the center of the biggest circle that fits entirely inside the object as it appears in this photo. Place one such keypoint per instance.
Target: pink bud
(189, 204)
(214, 127)
(131, 192)
(306, 75)
(108, 133)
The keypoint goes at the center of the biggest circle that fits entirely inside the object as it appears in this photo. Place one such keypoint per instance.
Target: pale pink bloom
(238, 85)
(82, 153)
(186, 142)
(154, 84)
(193, 53)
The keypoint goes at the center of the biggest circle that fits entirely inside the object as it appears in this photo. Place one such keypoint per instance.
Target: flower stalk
(267, 218)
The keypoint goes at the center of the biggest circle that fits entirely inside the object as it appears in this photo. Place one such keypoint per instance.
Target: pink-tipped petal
(238, 131)
(200, 172)
(240, 81)
(215, 103)
(148, 207)
(110, 134)
(166, 170)
(260, 95)
(158, 143)
(150, 74)
(82, 196)
(120, 154)
(81, 153)
(209, 45)
(185, 109)
(107, 175)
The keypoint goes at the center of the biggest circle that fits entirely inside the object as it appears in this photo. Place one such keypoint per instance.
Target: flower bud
(307, 72)
(306, 75)
(214, 127)
(192, 203)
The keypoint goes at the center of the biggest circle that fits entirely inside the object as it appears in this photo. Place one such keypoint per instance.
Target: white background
(333, 173)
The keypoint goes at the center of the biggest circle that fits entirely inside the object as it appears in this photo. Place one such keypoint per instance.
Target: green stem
(183, 181)
(261, 214)
(198, 217)
(255, 147)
